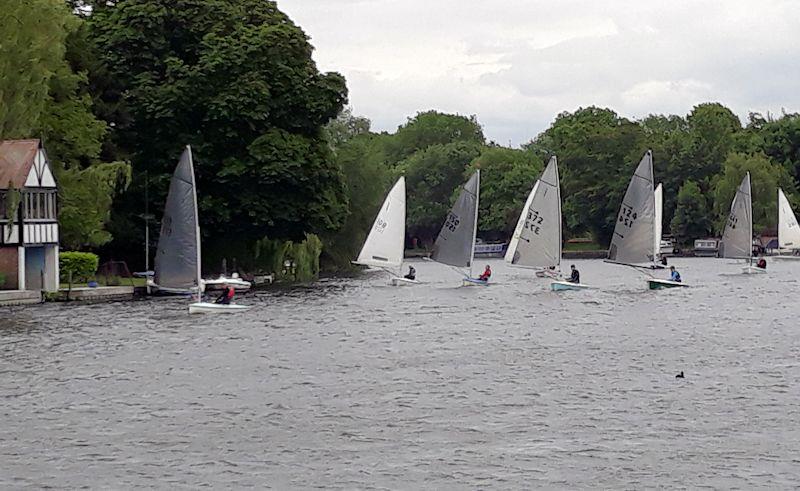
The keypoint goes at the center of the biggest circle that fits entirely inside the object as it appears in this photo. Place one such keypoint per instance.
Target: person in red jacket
(487, 273)
(226, 296)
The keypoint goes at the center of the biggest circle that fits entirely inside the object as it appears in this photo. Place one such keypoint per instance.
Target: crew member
(412, 273)
(487, 273)
(674, 275)
(575, 277)
(226, 296)
(762, 263)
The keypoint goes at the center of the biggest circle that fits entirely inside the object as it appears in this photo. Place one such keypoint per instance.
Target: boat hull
(237, 284)
(753, 270)
(656, 284)
(558, 286)
(397, 281)
(215, 308)
(474, 282)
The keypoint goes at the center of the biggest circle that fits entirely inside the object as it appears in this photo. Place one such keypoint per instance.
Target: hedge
(82, 265)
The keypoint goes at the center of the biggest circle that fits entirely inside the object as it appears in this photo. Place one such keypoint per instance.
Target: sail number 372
(534, 222)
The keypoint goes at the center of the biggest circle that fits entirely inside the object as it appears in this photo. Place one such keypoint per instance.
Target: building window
(39, 205)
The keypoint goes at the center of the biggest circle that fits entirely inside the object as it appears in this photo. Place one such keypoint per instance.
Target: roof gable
(23, 163)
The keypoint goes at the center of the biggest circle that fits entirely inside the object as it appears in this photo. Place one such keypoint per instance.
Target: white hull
(474, 282)
(215, 308)
(237, 284)
(548, 273)
(753, 270)
(397, 281)
(558, 286)
(163, 290)
(786, 257)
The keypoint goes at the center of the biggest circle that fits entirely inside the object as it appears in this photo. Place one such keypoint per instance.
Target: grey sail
(177, 262)
(456, 240)
(634, 232)
(737, 238)
(537, 242)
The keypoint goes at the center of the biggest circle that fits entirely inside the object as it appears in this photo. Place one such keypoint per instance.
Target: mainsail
(177, 262)
(788, 230)
(659, 197)
(455, 244)
(384, 246)
(536, 242)
(737, 238)
(634, 234)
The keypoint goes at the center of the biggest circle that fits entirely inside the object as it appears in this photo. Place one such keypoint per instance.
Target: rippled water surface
(353, 384)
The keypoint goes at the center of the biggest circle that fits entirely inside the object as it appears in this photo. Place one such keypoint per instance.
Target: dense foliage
(77, 267)
(285, 172)
(234, 79)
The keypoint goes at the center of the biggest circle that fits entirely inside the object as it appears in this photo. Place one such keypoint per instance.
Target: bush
(2, 279)
(82, 265)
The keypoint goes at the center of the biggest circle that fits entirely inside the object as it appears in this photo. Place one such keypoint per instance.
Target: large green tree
(507, 176)
(432, 128)
(597, 153)
(235, 79)
(692, 218)
(765, 178)
(433, 177)
(32, 45)
(45, 95)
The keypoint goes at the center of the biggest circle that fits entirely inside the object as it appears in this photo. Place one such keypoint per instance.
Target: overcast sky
(516, 64)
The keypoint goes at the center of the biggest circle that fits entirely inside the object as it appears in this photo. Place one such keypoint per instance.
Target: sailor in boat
(226, 296)
(487, 273)
(575, 276)
(762, 263)
(674, 275)
(412, 273)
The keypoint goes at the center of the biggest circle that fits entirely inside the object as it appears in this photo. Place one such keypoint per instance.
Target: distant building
(28, 218)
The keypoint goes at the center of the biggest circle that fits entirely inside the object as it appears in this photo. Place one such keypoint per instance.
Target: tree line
(116, 88)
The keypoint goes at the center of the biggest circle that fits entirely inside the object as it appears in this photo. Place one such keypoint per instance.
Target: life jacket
(229, 293)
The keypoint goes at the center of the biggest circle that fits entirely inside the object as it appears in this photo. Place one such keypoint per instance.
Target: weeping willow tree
(85, 206)
(289, 260)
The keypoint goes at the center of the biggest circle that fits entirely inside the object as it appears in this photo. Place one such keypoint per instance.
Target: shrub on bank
(82, 265)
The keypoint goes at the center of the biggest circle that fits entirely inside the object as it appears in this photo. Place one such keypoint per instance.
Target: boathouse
(28, 218)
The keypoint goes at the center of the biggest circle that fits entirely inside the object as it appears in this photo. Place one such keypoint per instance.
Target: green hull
(662, 284)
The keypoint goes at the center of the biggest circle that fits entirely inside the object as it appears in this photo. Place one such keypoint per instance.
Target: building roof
(16, 160)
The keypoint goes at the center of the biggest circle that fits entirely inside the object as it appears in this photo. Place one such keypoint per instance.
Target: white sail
(455, 244)
(737, 238)
(537, 239)
(385, 243)
(512, 245)
(177, 261)
(634, 234)
(659, 198)
(788, 229)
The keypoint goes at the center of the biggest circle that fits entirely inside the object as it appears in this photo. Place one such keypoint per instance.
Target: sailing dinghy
(635, 241)
(455, 245)
(737, 238)
(385, 243)
(177, 263)
(788, 229)
(536, 243)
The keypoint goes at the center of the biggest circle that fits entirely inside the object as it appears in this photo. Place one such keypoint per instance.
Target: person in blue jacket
(674, 275)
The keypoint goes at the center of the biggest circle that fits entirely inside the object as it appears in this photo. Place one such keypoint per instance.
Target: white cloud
(516, 64)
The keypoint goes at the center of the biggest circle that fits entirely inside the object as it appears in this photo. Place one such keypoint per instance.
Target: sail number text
(627, 216)
(452, 222)
(534, 222)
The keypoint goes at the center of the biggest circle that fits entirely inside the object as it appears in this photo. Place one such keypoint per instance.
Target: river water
(353, 384)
